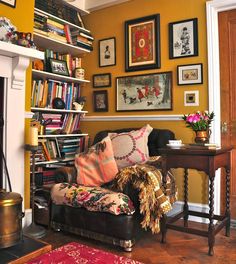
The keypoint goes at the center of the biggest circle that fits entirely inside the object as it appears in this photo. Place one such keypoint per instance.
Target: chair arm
(65, 174)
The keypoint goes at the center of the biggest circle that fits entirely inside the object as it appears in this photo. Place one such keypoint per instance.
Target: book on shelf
(68, 34)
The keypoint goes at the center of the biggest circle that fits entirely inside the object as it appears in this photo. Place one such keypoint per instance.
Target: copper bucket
(10, 218)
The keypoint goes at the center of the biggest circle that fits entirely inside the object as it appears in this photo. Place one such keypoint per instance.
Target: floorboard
(180, 247)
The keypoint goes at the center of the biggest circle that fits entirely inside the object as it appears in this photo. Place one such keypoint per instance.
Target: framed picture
(142, 43)
(59, 67)
(11, 3)
(100, 101)
(183, 38)
(102, 80)
(189, 74)
(107, 52)
(191, 98)
(144, 92)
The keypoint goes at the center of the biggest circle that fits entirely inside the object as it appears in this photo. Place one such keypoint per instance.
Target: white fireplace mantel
(14, 60)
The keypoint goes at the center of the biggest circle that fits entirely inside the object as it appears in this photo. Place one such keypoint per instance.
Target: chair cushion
(131, 147)
(92, 198)
(97, 166)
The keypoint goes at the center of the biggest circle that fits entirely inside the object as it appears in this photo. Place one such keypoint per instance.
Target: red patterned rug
(81, 254)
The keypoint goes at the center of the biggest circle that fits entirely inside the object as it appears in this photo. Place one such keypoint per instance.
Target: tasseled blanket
(153, 202)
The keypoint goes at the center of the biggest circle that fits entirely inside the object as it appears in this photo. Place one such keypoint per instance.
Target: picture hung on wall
(144, 92)
(189, 74)
(100, 101)
(142, 43)
(102, 80)
(107, 52)
(11, 3)
(183, 38)
(191, 98)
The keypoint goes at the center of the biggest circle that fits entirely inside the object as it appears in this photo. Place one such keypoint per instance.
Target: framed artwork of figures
(107, 52)
(183, 38)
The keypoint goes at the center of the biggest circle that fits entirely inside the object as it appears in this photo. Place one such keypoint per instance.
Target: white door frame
(213, 8)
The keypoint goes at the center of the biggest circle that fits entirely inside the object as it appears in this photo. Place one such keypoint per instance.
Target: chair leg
(163, 228)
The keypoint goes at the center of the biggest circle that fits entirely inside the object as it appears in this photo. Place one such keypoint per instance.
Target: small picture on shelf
(59, 67)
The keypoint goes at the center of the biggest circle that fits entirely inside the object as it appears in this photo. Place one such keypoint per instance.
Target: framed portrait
(191, 98)
(11, 3)
(142, 43)
(102, 80)
(183, 38)
(144, 92)
(59, 67)
(107, 52)
(189, 74)
(100, 101)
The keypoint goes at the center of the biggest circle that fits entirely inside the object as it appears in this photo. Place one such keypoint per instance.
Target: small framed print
(191, 98)
(100, 101)
(189, 74)
(102, 80)
(142, 43)
(107, 52)
(183, 38)
(11, 3)
(59, 67)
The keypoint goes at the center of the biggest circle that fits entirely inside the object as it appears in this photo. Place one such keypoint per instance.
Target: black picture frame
(100, 101)
(183, 38)
(101, 80)
(190, 74)
(142, 43)
(11, 3)
(145, 92)
(59, 67)
(107, 52)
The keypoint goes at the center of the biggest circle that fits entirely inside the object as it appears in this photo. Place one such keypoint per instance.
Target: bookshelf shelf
(53, 161)
(46, 75)
(50, 110)
(63, 135)
(58, 46)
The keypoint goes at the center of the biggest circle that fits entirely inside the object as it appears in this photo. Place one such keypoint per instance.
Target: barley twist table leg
(211, 228)
(227, 210)
(185, 197)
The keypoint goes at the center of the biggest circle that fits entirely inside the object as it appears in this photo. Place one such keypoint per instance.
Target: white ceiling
(91, 5)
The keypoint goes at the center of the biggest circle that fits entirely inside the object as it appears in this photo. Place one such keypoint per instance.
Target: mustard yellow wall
(22, 17)
(108, 23)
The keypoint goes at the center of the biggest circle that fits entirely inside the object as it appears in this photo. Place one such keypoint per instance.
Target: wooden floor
(180, 247)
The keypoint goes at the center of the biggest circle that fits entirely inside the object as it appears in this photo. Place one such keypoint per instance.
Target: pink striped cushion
(97, 166)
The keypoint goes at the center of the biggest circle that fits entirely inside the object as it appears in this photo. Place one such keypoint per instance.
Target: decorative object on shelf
(11, 3)
(38, 65)
(191, 98)
(144, 92)
(183, 38)
(79, 103)
(100, 101)
(79, 73)
(33, 230)
(58, 103)
(107, 52)
(7, 30)
(200, 122)
(59, 67)
(25, 39)
(101, 80)
(189, 74)
(142, 43)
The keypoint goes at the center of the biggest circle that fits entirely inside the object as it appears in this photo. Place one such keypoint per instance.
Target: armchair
(122, 229)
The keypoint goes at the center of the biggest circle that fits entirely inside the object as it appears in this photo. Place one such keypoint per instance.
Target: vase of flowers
(200, 122)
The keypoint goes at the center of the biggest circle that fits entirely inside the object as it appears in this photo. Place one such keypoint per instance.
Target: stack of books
(82, 38)
(54, 122)
(69, 147)
(55, 30)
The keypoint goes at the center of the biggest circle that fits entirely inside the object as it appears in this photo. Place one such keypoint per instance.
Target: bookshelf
(60, 137)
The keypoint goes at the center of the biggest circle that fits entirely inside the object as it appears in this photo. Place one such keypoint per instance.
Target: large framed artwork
(107, 52)
(183, 38)
(142, 43)
(144, 92)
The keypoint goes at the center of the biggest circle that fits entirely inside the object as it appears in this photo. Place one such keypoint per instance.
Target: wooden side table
(207, 160)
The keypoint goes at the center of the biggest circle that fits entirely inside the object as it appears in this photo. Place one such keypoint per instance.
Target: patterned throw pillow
(131, 147)
(97, 166)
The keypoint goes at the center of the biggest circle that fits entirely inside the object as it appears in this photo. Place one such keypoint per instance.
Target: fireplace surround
(14, 61)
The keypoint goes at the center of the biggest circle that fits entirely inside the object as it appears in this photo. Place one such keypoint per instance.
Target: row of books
(44, 177)
(64, 124)
(59, 9)
(44, 91)
(51, 149)
(72, 62)
(65, 33)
